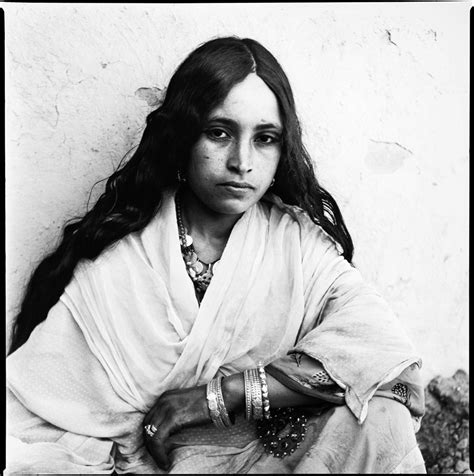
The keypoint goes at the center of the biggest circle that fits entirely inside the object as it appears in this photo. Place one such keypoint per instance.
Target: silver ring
(150, 430)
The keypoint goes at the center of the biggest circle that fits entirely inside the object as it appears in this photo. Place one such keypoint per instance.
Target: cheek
(201, 168)
(206, 158)
(269, 161)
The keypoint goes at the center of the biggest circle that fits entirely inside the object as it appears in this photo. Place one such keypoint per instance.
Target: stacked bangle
(216, 405)
(248, 395)
(263, 384)
(257, 403)
(257, 407)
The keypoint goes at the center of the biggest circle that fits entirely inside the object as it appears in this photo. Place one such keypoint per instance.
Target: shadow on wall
(444, 434)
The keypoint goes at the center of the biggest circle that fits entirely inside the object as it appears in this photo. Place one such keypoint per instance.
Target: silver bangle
(220, 402)
(215, 403)
(248, 395)
(212, 404)
(256, 395)
(263, 383)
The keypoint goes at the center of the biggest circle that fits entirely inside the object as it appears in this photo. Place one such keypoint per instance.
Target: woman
(204, 315)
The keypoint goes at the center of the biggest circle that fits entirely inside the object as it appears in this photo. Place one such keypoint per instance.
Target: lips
(237, 185)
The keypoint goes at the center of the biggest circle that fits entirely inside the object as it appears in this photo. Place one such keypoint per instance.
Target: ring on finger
(150, 430)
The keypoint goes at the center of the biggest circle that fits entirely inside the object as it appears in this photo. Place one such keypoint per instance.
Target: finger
(157, 444)
(149, 431)
(158, 451)
(150, 417)
(150, 424)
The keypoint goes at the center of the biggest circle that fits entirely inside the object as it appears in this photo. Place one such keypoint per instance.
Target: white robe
(128, 327)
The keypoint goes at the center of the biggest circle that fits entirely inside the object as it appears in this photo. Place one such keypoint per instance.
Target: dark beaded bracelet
(283, 432)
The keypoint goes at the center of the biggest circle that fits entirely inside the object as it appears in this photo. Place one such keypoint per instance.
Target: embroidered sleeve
(406, 389)
(306, 375)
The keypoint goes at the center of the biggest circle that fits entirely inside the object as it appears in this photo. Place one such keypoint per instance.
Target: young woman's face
(235, 158)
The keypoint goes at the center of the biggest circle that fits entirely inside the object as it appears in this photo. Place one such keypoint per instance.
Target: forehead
(250, 102)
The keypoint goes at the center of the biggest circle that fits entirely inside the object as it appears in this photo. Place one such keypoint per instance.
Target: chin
(233, 207)
(232, 210)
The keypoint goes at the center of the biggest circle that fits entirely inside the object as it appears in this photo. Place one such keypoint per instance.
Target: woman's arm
(350, 329)
(182, 408)
(280, 395)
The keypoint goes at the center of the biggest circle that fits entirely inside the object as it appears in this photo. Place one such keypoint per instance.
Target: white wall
(382, 92)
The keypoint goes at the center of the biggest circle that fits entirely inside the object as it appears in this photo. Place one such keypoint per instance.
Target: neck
(204, 222)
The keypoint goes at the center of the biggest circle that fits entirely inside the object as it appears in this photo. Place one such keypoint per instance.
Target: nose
(241, 157)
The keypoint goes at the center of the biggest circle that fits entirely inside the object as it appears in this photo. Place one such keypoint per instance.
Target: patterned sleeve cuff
(406, 389)
(307, 376)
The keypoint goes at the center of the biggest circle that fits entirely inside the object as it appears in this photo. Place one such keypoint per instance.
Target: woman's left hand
(174, 409)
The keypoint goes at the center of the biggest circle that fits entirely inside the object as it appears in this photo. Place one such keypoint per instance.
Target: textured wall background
(382, 91)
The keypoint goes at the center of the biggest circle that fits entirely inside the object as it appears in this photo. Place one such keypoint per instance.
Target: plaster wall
(382, 92)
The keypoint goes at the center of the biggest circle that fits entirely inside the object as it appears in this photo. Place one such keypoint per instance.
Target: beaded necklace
(200, 272)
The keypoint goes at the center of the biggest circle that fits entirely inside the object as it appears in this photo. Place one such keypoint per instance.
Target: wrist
(233, 392)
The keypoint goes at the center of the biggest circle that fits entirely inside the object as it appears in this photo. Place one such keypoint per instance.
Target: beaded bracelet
(284, 432)
(264, 386)
(215, 403)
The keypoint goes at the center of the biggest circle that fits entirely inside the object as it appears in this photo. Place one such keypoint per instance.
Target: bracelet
(211, 397)
(215, 403)
(221, 405)
(256, 395)
(248, 395)
(263, 384)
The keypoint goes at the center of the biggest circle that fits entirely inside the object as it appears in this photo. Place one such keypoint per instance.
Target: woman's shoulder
(115, 255)
(131, 245)
(311, 232)
(109, 254)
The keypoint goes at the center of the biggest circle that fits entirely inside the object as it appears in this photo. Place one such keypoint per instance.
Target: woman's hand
(175, 409)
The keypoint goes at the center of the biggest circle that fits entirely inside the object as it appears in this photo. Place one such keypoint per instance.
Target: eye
(217, 134)
(268, 139)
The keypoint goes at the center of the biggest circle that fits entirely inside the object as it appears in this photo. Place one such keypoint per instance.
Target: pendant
(206, 277)
(189, 239)
(198, 267)
(190, 259)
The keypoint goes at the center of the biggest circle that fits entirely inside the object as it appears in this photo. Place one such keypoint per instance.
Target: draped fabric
(128, 327)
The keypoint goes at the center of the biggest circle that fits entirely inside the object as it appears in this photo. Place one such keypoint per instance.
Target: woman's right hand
(174, 409)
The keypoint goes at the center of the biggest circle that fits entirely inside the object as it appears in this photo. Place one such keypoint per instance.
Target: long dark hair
(134, 191)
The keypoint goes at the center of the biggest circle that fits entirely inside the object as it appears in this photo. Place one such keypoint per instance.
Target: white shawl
(281, 285)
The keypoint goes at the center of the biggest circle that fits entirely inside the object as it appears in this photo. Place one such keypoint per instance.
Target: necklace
(200, 272)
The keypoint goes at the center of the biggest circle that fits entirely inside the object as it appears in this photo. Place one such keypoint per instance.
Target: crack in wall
(384, 157)
(389, 35)
(392, 143)
(57, 115)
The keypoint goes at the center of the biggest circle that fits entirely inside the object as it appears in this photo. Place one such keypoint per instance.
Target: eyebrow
(232, 123)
